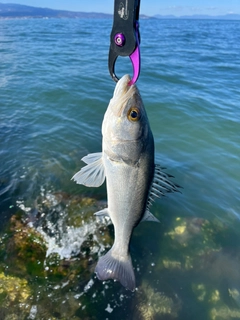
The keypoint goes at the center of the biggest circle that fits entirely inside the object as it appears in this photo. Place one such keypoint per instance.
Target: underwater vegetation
(48, 255)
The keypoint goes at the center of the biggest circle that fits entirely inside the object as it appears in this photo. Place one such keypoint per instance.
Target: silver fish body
(132, 178)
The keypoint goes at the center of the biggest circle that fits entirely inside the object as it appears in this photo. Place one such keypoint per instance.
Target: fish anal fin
(92, 175)
(148, 216)
(109, 267)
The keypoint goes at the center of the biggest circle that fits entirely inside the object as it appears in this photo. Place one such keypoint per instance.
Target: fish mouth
(122, 93)
(122, 86)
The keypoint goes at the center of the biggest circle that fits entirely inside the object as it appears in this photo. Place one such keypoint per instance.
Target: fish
(133, 180)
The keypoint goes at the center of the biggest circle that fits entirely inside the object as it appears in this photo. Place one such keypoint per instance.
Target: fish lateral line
(129, 167)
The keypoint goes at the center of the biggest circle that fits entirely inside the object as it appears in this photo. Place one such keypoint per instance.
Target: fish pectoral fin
(92, 157)
(92, 175)
(148, 216)
(112, 267)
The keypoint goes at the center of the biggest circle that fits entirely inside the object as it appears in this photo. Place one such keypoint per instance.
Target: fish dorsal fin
(93, 174)
(148, 216)
(160, 185)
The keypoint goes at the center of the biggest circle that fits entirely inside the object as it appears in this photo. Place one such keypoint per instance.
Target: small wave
(58, 227)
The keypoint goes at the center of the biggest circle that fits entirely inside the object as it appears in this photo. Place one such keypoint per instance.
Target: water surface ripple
(55, 88)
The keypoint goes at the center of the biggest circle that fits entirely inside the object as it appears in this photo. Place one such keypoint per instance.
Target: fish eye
(134, 114)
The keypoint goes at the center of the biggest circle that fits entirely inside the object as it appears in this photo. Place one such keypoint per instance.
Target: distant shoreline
(15, 11)
(145, 18)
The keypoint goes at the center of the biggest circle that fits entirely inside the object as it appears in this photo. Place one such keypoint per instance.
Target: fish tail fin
(116, 268)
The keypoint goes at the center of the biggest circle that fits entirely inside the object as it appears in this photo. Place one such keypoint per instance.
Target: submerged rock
(224, 313)
(25, 248)
(188, 241)
(152, 304)
(196, 261)
(64, 231)
(15, 294)
(54, 247)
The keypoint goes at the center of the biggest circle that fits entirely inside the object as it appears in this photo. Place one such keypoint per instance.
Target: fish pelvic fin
(93, 174)
(92, 157)
(102, 214)
(161, 185)
(116, 268)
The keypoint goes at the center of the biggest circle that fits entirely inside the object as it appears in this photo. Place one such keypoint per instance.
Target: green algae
(153, 304)
(187, 272)
(84, 206)
(187, 241)
(23, 249)
(23, 255)
(224, 313)
(193, 258)
(15, 297)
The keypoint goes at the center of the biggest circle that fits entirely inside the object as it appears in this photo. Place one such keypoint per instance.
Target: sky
(148, 7)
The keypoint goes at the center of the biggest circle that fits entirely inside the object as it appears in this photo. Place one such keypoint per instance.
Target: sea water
(54, 90)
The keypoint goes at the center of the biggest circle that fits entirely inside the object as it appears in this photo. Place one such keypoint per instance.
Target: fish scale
(133, 180)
